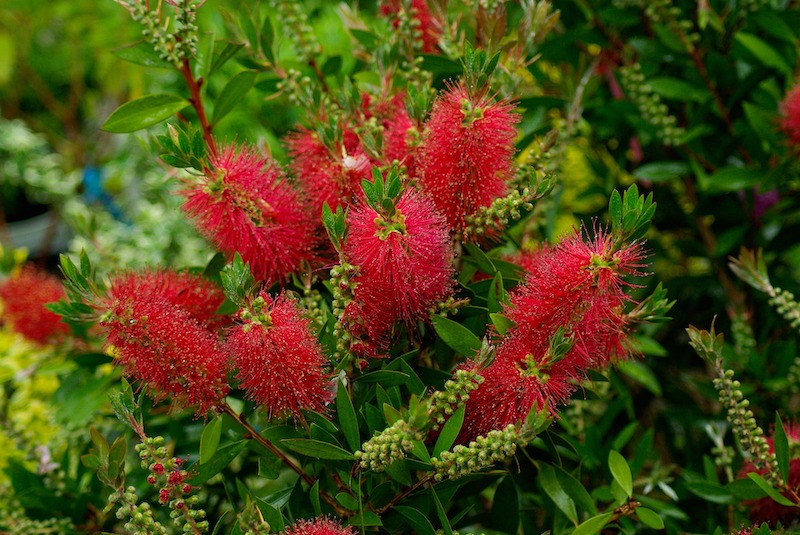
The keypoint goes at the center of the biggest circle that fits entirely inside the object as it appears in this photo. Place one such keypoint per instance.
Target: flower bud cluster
(650, 106)
(456, 392)
(15, 520)
(172, 47)
(786, 305)
(793, 376)
(291, 16)
(743, 337)
(497, 215)
(750, 435)
(167, 475)
(342, 285)
(388, 446)
(141, 515)
(498, 445)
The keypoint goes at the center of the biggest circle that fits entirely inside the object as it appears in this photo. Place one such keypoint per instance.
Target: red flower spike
(23, 298)
(790, 112)
(326, 177)
(404, 266)
(318, 526)
(280, 363)
(766, 509)
(430, 29)
(467, 155)
(163, 345)
(245, 206)
(163, 496)
(175, 477)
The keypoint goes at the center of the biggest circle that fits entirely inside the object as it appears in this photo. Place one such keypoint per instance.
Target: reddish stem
(197, 103)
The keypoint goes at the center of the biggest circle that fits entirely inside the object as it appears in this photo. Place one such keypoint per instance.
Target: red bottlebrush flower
(244, 206)
(766, 509)
(790, 111)
(318, 526)
(404, 265)
(429, 27)
(467, 155)
(281, 365)
(23, 298)
(163, 344)
(329, 177)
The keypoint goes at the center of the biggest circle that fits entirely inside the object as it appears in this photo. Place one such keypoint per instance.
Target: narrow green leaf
(641, 373)
(416, 519)
(365, 518)
(649, 518)
(501, 323)
(223, 457)
(317, 449)
(209, 440)
(100, 442)
(621, 471)
(550, 484)
(232, 94)
(142, 53)
(781, 447)
(449, 432)
(225, 53)
(347, 501)
(455, 335)
(593, 525)
(615, 210)
(421, 452)
(399, 471)
(771, 492)
(143, 112)
(313, 495)
(506, 506)
(497, 294)
(575, 490)
(661, 171)
(763, 52)
(348, 422)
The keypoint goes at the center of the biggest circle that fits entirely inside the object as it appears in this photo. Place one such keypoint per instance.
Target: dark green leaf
(575, 490)
(763, 52)
(676, 89)
(209, 440)
(639, 372)
(449, 432)
(348, 422)
(386, 378)
(317, 449)
(621, 471)
(661, 171)
(551, 485)
(455, 335)
(332, 66)
(142, 54)
(232, 94)
(781, 448)
(226, 53)
(506, 506)
(501, 323)
(143, 112)
(649, 518)
(771, 492)
(348, 501)
(416, 519)
(365, 518)
(730, 178)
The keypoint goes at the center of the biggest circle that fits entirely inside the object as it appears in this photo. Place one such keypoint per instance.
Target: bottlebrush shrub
(23, 297)
(362, 355)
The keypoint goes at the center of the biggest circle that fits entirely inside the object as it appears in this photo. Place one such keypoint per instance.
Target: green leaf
(142, 53)
(649, 518)
(551, 485)
(506, 506)
(710, 491)
(317, 449)
(232, 94)
(497, 294)
(661, 171)
(593, 525)
(226, 53)
(348, 422)
(416, 519)
(446, 527)
(209, 440)
(575, 490)
(365, 518)
(449, 432)
(222, 458)
(621, 471)
(763, 52)
(143, 112)
(347, 501)
(122, 402)
(673, 88)
(455, 335)
(730, 178)
(236, 280)
(781, 447)
(639, 372)
(615, 209)
(771, 492)
(501, 323)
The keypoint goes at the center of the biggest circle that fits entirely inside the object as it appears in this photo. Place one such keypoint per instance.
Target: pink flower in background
(318, 526)
(467, 156)
(280, 363)
(790, 115)
(162, 344)
(332, 177)
(23, 298)
(245, 206)
(405, 264)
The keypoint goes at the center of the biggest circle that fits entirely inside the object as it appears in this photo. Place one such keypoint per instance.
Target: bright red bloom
(23, 298)
(281, 365)
(766, 509)
(467, 155)
(245, 206)
(790, 111)
(162, 344)
(405, 265)
(318, 526)
(332, 177)
(429, 27)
